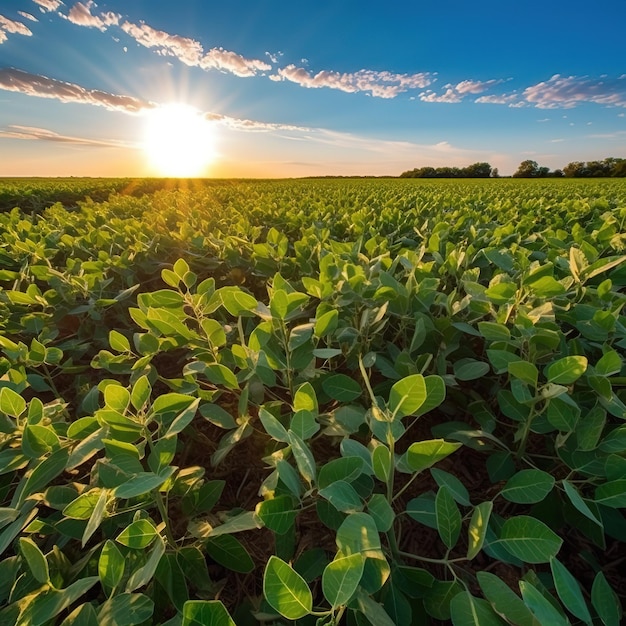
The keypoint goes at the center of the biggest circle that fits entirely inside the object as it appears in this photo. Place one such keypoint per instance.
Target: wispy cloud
(450, 96)
(43, 87)
(81, 15)
(12, 27)
(42, 134)
(28, 16)
(381, 84)
(566, 92)
(457, 93)
(46, 6)
(476, 86)
(511, 99)
(252, 125)
(191, 52)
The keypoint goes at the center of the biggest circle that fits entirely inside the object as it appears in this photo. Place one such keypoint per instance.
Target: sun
(179, 141)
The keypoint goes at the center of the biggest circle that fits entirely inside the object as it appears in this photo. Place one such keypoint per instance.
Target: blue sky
(297, 89)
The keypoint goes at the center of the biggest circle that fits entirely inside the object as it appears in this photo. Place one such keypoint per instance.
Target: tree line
(609, 167)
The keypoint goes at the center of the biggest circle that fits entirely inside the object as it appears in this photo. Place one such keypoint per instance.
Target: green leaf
(143, 483)
(528, 486)
(568, 589)
(277, 513)
(304, 457)
(290, 477)
(285, 590)
(236, 301)
(37, 563)
(247, 520)
(342, 496)
(229, 552)
(50, 603)
(435, 394)
(140, 393)
(341, 578)
(422, 510)
(111, 565)
(126, 609)
(524, 371)
(341, 387)
(505, 601)
(609, 364)
(144, 574)
(138, 535)
(346, 468)
(11, 403)
(605, 601)
(466, 610)
(381, 512)
(566, 370)
(43, 474)
(448, 517)
(455, 486)
(407, 395)
(83, 506)
(529, 539)
(477, 529)
(206, 613)
(219, 374)
(576, 499)
(326, 323)
(305, 399)
(96, 517)
(183, 419)
(372, 610)
(612, 494)
(83, 615)
(358, 533)
(118, 342)
(543, 609)
(423, 454)
(381, 462)
(470, 369)
(272, 426)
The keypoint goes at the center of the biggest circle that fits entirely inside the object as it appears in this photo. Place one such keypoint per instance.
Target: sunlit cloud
(190, 52)
(252, 125)
(28, 16)
(476, 86)
(450, 96)
(566, 92)
(32, 133)
(510, 99)
(46, 6)
(43, 87)
(80, 14)
(379, 84)
(12, 27)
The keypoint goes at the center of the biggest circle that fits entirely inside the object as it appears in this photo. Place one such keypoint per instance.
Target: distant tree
(478, 170)
(574, 169)
(556, 174)
(527, 169)
(495, 173)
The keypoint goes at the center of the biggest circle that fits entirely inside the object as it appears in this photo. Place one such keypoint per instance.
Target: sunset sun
(179, 141)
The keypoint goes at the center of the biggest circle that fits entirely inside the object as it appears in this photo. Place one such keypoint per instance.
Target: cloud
(379, 84)
(450, 96)
(191, 52)
(80, 14)
(43, 87)
(566, 92)
(45, 6)
(42, 134)
(12, 27)
(509, 99)
(28, 16)
(220, 59)
(456, 93)
(252, 125)
(476, 86)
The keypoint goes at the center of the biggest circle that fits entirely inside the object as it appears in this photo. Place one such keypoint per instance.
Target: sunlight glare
(179, 141)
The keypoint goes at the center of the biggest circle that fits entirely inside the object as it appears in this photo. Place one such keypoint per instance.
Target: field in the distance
(321, 401)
